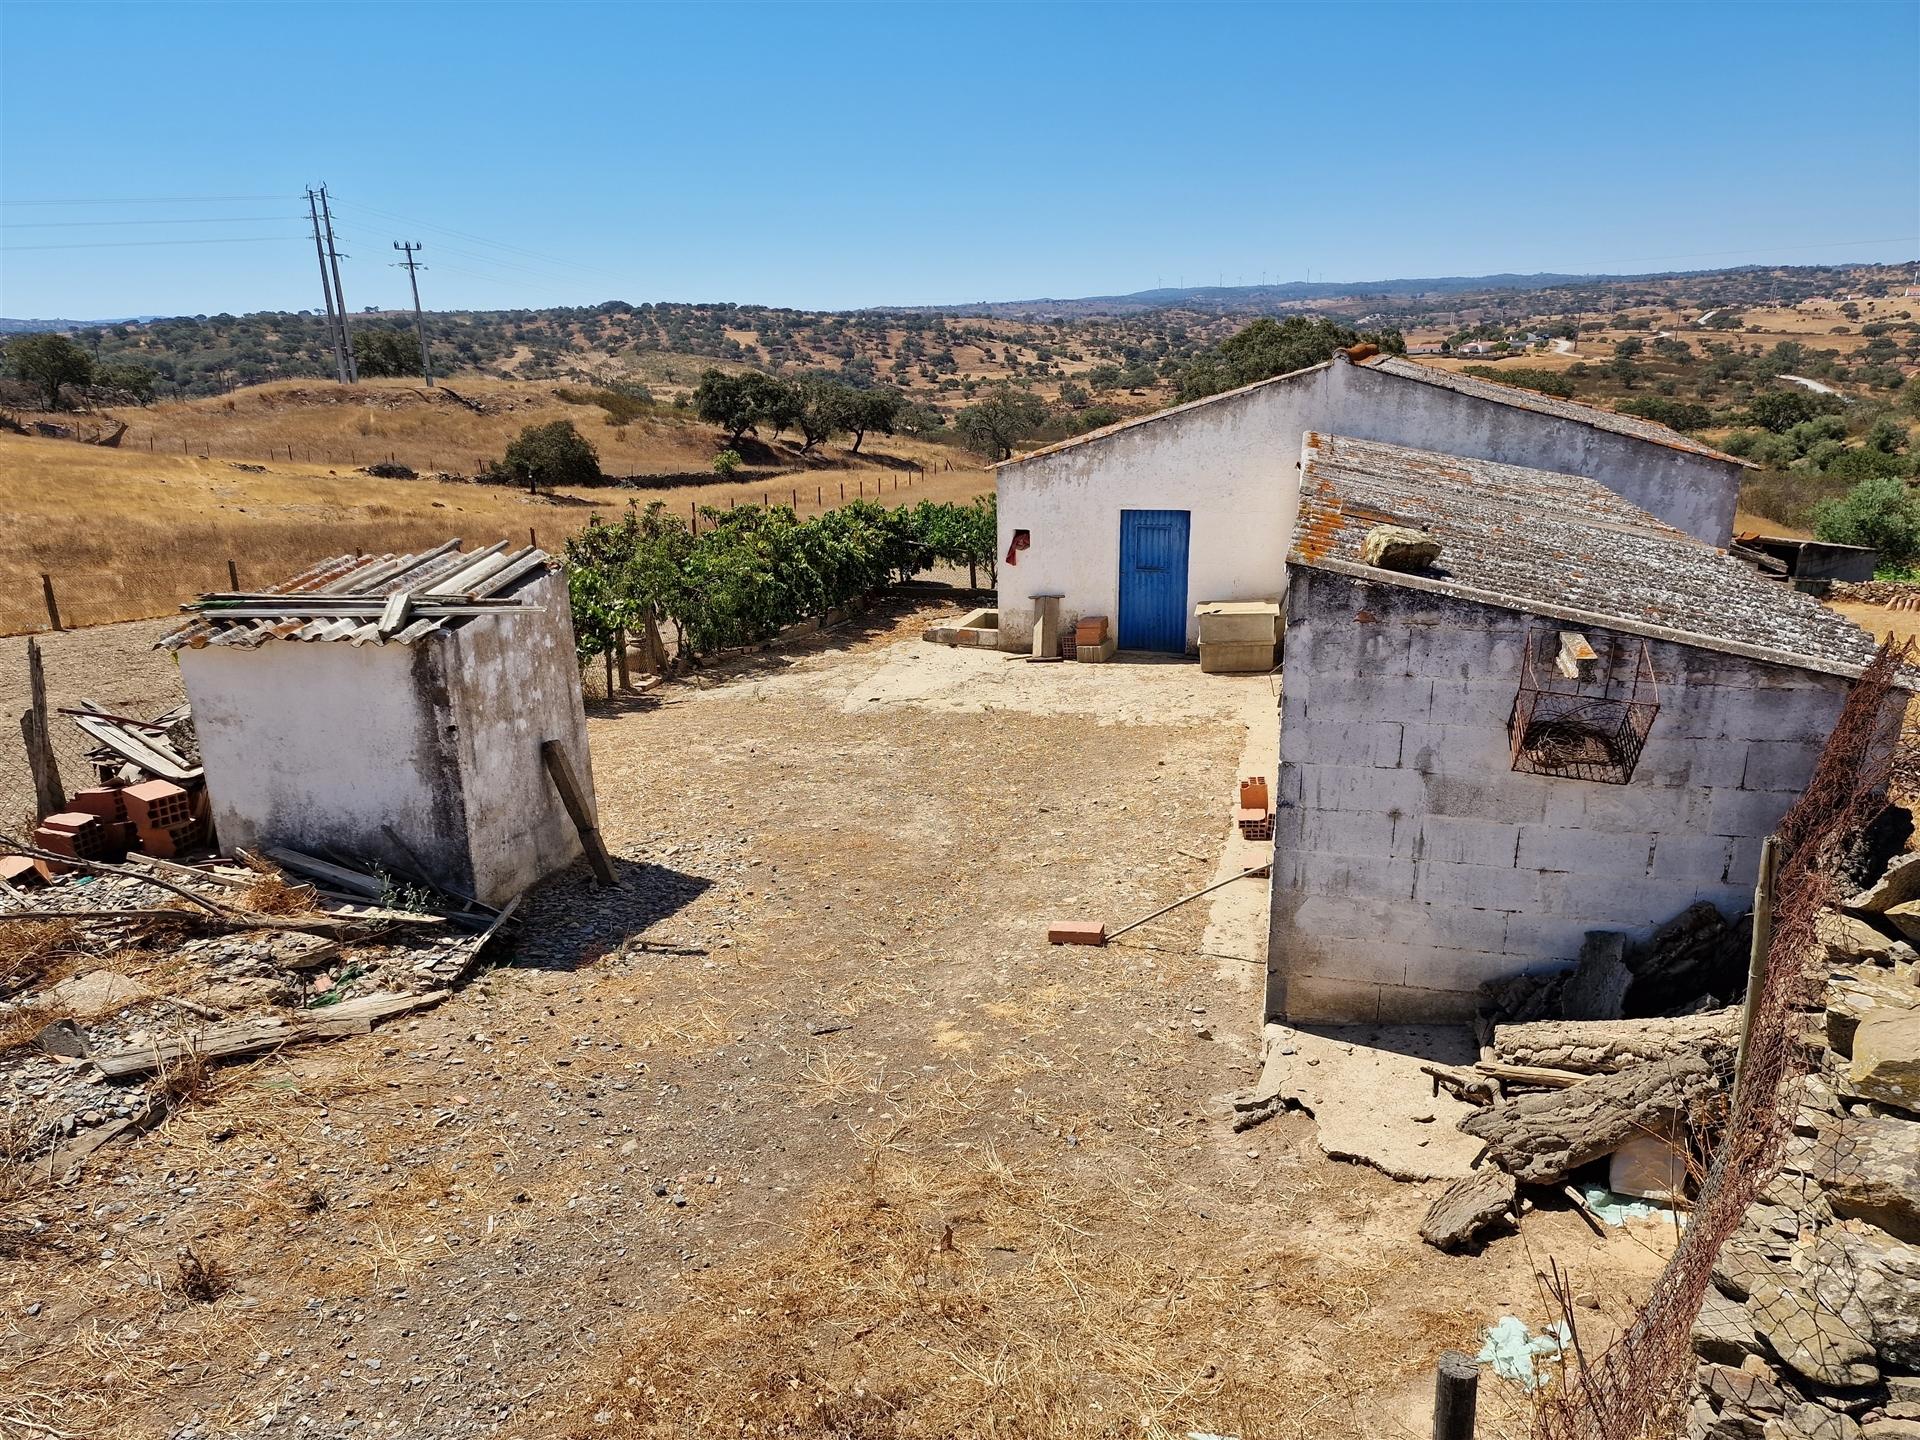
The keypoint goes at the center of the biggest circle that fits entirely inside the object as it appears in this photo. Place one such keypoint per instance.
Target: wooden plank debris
(237, 1039)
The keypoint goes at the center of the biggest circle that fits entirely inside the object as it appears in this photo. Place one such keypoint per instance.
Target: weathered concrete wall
(1690, 492)
(315, 746)
(1411, 862)
(1233, 462)
(318, 746)
(514, 683)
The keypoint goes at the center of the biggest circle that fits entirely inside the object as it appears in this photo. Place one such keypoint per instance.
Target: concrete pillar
(1046, 625)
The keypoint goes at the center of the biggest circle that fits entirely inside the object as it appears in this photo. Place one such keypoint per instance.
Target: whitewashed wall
(514, 682)
(1233, 462)
(1411, 862)
(317, 746)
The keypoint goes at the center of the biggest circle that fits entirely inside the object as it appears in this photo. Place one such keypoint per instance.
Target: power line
(122, 244)
(191, 220)
(151, 200)
(495, 244)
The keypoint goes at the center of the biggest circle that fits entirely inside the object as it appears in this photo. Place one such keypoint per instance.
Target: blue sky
(837, 156)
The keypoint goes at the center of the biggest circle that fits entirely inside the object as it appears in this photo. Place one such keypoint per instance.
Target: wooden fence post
(532, 538)
(1456, 1384)
(1757, 957)
(53, 606)
(233, 575)
(49, 795)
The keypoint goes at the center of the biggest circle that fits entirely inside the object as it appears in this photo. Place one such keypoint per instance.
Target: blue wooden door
(1153, 580)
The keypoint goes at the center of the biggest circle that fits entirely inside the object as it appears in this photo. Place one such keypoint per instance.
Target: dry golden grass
(952, 1293)
(33, 952)
(1880, 621)
(272, 893)
(128, 534)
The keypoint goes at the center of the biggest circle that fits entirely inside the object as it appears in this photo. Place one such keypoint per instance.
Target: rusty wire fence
(1639, 1387)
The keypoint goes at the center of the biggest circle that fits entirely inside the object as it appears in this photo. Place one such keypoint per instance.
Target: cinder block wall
(1411, 862)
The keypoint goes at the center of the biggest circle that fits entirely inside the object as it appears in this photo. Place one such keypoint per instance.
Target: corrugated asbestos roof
(362, 598)
(1556, 545)
(1522, 399)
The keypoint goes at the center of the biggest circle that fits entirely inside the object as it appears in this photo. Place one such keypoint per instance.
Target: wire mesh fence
(1638, 1388)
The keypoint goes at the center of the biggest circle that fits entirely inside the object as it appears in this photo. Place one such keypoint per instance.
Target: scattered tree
(1879, 512)
(50, 361)
(552, 454)
(1274, 347)
(993, 426)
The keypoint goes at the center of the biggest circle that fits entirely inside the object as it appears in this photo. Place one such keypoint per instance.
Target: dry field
(805, 1132)
(128, 532)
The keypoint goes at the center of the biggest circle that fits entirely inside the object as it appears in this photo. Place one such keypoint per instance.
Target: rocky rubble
(1812, 1327)
(50, 1092)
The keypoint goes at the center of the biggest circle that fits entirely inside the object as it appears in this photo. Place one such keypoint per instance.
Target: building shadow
(1435, 1044)
(569, 921)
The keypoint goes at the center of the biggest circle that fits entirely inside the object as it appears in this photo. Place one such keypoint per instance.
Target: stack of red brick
(1255, 815)
(106, 822)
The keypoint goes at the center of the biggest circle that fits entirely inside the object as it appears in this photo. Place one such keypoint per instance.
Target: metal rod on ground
(1456, 1387)
(1136, 924)
(561, 774)
(49, 795)
(1756, 959)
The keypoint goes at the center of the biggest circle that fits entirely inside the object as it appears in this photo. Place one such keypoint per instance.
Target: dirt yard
(806, 1131)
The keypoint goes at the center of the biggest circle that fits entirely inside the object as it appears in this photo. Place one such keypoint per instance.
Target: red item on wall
(1022, 539)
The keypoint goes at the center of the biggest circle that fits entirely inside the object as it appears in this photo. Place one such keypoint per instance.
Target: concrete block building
(1144, 520)
(1579, 717)
(392, 709)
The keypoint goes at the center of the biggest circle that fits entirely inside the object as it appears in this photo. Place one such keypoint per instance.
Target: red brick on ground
(1077, 932)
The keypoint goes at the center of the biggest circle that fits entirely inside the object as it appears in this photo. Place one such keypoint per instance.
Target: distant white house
(1143, 520)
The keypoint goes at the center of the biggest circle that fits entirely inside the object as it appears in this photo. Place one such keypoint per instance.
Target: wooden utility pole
(339, 295)
(326, 288)
(419, 325)
(49, 795)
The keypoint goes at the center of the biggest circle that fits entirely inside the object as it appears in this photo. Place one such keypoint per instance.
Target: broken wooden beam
(574, 798)
(1478, 1202)
(1542, 1138)
(1604, 1046)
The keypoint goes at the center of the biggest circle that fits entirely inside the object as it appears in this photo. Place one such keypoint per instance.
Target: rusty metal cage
(1579, 714)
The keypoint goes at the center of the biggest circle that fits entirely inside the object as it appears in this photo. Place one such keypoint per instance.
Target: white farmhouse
(393, 709)
(1143, 520)
(1576, 718)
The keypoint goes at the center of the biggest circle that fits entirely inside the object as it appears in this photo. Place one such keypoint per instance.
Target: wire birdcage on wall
(1581, 715)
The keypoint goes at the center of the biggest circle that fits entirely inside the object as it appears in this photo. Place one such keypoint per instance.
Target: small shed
(392, 709)
(1814, 565)
(1576, 718)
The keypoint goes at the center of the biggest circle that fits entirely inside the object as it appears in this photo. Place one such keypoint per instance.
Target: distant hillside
(1121, 353)
(35, 327)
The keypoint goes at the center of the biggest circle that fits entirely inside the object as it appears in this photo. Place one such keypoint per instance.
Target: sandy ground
(661, 1170)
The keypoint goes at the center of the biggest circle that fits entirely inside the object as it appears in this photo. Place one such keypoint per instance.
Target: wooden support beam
(571, 796)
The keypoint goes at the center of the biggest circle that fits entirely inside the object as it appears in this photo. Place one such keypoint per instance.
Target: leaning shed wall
(1411, 862)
